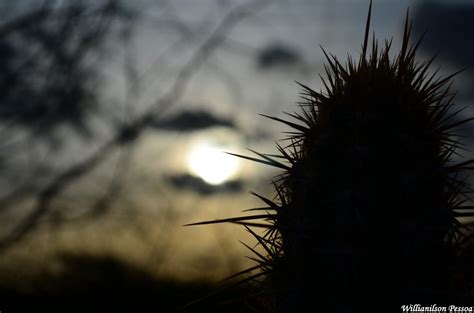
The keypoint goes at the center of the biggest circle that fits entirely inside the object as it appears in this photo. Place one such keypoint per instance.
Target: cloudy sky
(177, 171)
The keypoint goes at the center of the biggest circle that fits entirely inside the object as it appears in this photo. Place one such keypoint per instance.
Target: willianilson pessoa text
(435, 308)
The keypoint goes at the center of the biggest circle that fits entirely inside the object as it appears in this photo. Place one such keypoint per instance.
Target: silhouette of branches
(126, 133)
(48, 74)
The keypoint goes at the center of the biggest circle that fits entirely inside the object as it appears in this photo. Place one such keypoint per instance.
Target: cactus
(367, 205)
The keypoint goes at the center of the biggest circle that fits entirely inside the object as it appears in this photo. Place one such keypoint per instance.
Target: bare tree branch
(129, 133)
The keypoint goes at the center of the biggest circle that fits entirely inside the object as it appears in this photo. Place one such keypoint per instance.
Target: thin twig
(129, 133)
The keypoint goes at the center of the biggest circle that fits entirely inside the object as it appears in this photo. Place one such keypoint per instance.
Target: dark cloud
(188, 121)
(449, 30)
(277, 55)
(449, 33)
(257, 135)
(196, 184)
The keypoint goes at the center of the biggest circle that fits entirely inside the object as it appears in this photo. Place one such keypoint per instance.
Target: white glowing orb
(212, 164)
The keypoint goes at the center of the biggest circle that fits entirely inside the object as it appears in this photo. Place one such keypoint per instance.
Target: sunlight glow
(212, 164)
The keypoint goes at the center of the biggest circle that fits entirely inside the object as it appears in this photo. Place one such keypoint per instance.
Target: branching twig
(129, 133)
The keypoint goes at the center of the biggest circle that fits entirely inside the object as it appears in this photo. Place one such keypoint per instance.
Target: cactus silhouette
(367, 205)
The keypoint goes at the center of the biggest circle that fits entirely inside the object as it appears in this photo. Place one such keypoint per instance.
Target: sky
(177, 171)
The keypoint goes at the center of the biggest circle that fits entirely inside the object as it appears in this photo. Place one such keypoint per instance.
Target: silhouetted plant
(366, 207)
(49, 71)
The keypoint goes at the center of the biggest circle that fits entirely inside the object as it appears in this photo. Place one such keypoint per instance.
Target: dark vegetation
(336, 225)
(51, 73)
(49, 70)
(104, 284)
(68, 44)
(368, 206)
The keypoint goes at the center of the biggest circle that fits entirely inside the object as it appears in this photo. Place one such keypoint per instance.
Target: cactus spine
(367, 203)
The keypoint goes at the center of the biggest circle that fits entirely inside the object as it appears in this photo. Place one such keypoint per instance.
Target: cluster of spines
(431, 94)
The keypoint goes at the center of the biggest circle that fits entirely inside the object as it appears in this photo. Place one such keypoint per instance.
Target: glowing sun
(212, 164)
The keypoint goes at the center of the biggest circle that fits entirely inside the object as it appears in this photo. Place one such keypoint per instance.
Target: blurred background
(115, 116)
